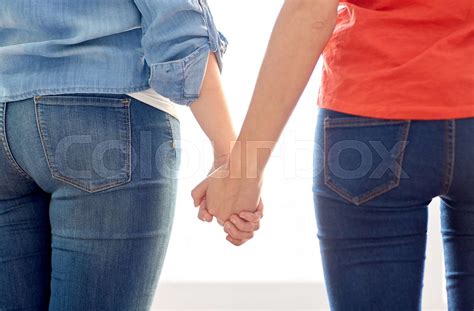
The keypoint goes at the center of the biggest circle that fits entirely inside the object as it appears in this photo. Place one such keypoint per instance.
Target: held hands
(234, 201)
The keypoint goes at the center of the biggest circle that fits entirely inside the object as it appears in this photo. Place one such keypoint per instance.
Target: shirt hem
(427, 114)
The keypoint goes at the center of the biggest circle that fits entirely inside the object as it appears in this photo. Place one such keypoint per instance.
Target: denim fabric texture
(87, 197)
(53, 47)
(373, 181)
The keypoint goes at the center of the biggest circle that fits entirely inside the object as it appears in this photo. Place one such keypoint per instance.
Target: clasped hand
(234, 201)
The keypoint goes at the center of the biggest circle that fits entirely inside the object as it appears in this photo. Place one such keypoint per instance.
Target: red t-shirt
(401, 59)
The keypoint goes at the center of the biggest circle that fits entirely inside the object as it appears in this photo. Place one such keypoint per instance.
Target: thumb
(199, 192)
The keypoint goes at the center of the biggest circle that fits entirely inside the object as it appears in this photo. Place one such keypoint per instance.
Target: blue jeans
(87, 197)
(373, 182)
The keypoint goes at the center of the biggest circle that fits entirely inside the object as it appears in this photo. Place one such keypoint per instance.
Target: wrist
(223, 149)
(220, 159)
(243, 163)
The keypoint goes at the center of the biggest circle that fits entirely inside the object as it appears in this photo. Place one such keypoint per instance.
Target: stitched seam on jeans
(355, 122)
(346, 195)
(366, 196)
(325, 153)
(90, 190)
(361, 124)
(42, 136)
(77, 89)
(389, 185)
(3, 137)
(128, 125)
(450, 154)
(172, 134)
(55, 174)
(112, 98)
(153, 234)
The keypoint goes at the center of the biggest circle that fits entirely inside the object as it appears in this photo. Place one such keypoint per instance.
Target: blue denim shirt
(106, 46)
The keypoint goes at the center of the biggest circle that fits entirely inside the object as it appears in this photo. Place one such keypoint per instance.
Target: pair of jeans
(373, 181)
(87, 198)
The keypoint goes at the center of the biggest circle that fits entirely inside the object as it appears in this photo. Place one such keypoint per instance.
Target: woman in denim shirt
(88, 164)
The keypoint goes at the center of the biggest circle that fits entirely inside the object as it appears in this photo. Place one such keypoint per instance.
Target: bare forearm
(299, 37)
(212, 114)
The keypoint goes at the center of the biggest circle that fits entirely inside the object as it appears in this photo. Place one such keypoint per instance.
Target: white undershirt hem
(152, 98)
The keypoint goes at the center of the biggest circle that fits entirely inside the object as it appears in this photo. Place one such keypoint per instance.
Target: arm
(306, 26)
(212, 114)
(184, 51)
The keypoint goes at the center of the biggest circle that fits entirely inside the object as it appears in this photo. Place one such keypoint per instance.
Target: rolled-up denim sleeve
(178, 36)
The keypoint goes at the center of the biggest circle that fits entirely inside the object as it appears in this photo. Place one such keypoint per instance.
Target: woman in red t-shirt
(394, 131)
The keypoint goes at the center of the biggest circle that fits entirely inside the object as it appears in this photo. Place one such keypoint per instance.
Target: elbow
(322, 14)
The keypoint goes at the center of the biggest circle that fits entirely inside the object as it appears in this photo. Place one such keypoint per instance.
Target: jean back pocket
(363, 156)
(86, 139)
